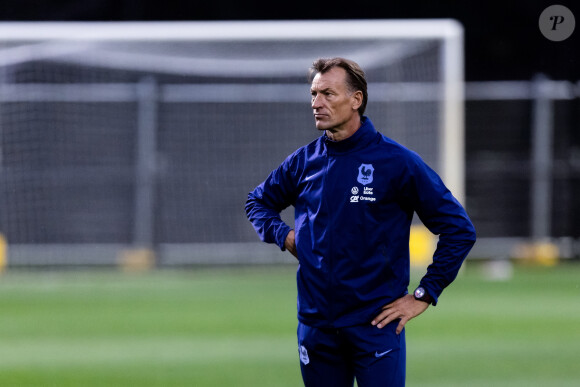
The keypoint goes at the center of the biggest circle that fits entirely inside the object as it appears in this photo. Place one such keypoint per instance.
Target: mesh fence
(112, 143)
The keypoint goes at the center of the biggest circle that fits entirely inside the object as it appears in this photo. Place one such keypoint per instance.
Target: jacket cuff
(430, 292)
(281, 236)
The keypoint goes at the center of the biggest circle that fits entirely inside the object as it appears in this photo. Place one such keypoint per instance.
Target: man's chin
(321, 125)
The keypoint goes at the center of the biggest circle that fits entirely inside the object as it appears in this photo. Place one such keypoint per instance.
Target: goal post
(117, 135)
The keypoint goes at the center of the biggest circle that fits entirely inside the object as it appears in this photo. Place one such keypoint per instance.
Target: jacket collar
(360, 139)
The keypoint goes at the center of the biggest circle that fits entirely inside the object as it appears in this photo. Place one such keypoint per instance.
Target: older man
(355, 192)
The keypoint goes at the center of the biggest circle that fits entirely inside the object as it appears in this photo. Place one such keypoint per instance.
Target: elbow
(471, 234)
(250, 205)
(464, 234)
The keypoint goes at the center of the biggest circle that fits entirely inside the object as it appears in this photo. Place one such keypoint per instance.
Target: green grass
(236, 327)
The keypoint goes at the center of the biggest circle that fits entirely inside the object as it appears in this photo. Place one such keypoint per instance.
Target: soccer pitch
(236, 327)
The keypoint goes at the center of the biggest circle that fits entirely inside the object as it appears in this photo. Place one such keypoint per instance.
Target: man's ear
(357, 98)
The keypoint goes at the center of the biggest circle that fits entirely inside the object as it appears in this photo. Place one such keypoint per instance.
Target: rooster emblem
(365, 174)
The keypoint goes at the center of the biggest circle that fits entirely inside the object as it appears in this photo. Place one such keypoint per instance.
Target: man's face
(332, 104)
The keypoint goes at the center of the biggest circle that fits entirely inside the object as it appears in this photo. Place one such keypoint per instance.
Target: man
(354, 192)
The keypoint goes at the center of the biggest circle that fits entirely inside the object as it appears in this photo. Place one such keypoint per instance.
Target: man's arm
(443, 215)
(265, 203)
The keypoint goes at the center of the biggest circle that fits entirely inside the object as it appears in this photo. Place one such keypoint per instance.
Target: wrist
(421, 294)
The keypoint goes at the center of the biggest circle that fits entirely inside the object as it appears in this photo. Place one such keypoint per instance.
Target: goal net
(118, 136)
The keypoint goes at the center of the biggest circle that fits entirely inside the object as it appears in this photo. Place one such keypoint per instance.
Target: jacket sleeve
(444, 216)
(267, 200)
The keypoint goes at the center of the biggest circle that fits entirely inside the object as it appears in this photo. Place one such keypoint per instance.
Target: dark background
(502, 42)
(502, 39)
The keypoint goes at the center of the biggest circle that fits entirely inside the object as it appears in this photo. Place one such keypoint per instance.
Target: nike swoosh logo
(311, 176)
(382, 353)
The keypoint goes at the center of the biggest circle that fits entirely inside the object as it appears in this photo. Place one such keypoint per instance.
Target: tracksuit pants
(335, 357)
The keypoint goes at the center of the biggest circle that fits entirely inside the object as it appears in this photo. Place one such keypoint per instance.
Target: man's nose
(316, 102)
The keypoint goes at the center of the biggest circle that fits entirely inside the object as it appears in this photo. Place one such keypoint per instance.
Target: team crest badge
(365, 174)
(304, 355)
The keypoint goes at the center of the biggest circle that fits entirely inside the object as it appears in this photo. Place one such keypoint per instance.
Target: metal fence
(158, 188)
(523, 165)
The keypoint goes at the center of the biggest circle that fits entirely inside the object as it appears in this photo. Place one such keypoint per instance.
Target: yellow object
(422, 244)
(3, 253)
(543, 253)
(137, 259)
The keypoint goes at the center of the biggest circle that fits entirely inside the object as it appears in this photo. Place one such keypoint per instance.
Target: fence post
(542, 159)
(142, 254)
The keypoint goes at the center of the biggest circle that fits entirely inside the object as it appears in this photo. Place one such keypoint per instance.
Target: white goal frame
(452, 153)
(450, 91)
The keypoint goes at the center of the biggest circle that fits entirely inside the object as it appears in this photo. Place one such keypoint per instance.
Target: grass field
(236, 327)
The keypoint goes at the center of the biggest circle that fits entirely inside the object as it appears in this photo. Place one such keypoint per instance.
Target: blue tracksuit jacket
(354, 201)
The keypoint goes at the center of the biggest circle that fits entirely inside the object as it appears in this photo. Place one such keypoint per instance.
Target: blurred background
(132, 131)
(111, 152)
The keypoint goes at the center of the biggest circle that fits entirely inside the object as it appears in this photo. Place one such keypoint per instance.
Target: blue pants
(335, 357)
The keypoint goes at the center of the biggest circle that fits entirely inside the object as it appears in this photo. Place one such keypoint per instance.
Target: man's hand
(290, 244)
(404, 308)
